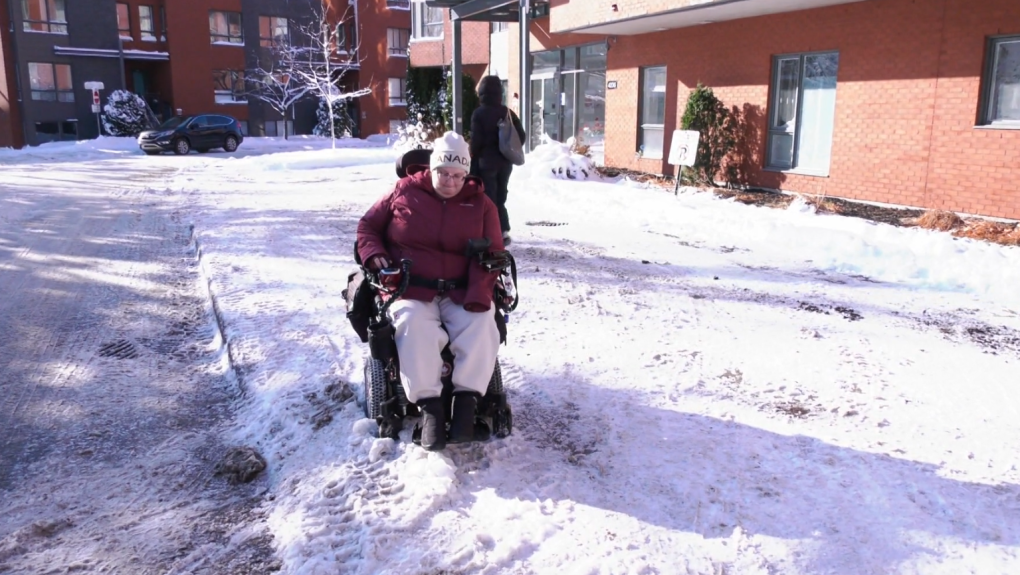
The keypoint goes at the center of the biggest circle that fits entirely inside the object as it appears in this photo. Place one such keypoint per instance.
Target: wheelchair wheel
(502, 422)
(496, 382)
(375, 387)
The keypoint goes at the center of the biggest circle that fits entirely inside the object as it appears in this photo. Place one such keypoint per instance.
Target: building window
(1001, 98)
(396, 39)
(802, 108)
(273, 31)
(56, 131)
(225, 27)
(146, 23)
(162, 22)
(653, 112)
(51, 82)
(399, 4)
(124, 20)
(340, 37)
(44, 16)
(278, 128)
(396, 91)
(426, 22)
(497, 27)
(229, 86)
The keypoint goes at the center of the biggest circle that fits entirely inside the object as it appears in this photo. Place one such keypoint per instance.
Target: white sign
(93, 86)
(95, 98)
(683, 149)
(95, 108)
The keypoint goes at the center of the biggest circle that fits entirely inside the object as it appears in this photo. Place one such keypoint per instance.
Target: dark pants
(496, 181)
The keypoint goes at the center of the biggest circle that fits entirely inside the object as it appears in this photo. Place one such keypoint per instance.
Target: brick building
(158, 49)
(891, 101)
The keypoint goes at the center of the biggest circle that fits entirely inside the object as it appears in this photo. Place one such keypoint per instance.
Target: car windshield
(172, 123)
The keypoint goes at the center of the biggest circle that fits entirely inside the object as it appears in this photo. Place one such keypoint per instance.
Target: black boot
(433, 424)
(462, 422)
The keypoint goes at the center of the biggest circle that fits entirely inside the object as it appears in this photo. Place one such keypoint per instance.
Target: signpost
(683, 151)
(95, 87)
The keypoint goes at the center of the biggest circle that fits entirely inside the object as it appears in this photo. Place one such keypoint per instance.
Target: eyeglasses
(449, 176)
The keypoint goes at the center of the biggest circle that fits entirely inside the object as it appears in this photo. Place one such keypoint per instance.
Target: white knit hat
(450, 151)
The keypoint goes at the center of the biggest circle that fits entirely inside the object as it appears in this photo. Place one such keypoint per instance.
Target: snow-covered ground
(698, 386)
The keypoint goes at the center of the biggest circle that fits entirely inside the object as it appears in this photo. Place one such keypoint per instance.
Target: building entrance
(568, 89)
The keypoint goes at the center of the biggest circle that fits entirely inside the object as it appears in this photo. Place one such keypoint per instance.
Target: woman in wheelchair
(429, 219)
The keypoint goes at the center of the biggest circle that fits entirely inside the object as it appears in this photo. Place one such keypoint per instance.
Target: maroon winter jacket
(413, 222)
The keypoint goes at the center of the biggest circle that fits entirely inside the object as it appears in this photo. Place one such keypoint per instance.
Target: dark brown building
(183, 57)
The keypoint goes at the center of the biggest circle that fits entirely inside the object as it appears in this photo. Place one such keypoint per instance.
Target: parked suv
(181, 134)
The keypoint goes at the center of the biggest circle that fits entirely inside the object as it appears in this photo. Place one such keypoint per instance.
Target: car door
(194, 131)
(221, 124)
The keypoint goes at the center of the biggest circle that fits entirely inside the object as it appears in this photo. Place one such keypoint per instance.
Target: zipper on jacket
(439, 232)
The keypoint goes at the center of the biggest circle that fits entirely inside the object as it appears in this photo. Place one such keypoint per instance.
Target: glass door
(545, 107)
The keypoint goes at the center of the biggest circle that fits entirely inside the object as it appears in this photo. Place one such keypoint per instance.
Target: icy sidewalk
(690, 394)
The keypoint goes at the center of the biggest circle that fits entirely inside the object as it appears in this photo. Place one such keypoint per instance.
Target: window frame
(643, 124)
(235, 92)
(398, 4)
(398, 51)
(272, 41)
(226, 38)
(420, 27)
(51, 24)
(150, 33)
(59, 95)
(798, 123)
(986, 108)
(402, 100)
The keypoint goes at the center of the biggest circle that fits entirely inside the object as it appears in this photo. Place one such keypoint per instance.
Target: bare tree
(277, 88)
(315, 65)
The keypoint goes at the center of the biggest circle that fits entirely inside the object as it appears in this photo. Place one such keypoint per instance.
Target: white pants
(473, 339)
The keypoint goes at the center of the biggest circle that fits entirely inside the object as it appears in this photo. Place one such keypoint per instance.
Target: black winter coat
(485, 152)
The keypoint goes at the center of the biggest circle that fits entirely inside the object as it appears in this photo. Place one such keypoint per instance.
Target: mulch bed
(1005, 233)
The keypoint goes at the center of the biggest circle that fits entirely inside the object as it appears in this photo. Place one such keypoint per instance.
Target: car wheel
(230, 144)
(182, 147)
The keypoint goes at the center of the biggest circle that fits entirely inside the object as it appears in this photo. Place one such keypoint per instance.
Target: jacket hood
(490, 91)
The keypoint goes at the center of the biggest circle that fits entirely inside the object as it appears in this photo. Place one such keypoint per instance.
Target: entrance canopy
(487, 11)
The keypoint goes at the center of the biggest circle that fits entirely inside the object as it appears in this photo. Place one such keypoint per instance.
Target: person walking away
(488, 163)
(428, 218)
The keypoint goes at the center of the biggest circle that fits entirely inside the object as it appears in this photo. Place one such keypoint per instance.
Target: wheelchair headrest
(419, 157)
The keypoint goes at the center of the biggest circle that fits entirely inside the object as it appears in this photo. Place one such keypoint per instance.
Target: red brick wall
(193, 58)
(474, 46)
(377, 66)
(906, 106)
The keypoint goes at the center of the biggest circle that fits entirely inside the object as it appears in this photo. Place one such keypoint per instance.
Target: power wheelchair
(368, 297)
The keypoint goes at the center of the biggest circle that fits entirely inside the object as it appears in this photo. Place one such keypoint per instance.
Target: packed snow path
(685, 399)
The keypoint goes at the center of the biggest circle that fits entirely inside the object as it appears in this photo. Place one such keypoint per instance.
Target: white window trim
(415, 24)
(228, 42)
(987, 83)
(796, 170)
(389, 53)
(644, 126)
